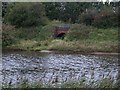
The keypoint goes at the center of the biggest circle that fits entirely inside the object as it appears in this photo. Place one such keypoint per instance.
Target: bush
(44, 33)
(11, 35)
(110, 34)
(88, 16)
(26, 14)
(78, 32)
(105, 17)
(7, 36)
(37, 33)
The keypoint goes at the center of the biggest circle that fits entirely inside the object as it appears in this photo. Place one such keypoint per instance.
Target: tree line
(34, 14)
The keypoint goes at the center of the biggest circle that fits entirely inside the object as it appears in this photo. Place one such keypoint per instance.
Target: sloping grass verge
(80, 38)
(84, 46)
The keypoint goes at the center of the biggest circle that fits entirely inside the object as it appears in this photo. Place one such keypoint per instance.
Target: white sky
(58, 0)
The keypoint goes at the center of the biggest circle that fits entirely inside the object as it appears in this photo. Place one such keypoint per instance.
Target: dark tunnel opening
(61, 35)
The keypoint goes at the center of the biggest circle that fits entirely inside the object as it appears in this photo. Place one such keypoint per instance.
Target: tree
(107, 17)
(4, 7)
(26, 14)
(101, 15)
(65, 11)
(53, 10)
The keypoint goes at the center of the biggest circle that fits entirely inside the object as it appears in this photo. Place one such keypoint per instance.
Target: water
(56, 68)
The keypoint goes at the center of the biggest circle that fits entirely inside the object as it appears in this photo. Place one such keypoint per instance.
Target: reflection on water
(53, 68)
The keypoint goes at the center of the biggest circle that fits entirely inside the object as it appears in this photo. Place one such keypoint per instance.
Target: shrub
(117, 84)
(105, 17)
(105, 20)
(38, 33)
(110, 34)
(7, 36)
(26, 14)
(88, 16)
(44, 33)
(78, 32)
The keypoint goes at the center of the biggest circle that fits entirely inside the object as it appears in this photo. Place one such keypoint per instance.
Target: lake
(56, 67)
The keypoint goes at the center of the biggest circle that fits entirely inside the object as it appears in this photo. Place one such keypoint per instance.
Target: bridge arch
(61, 35)
(61, 30)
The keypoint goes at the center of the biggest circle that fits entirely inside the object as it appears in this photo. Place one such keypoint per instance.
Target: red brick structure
(61, 30)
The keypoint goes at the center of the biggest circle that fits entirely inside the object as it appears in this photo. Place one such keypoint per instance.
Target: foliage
(65, 11)
(82, 83)
(37, 33)
(110, 34)
(79, 32)
(74, 84)
(80, 37)
(93, 13)
(33, 38)
(104, 83)
(72, 11)
(87, 17)
(4, 6)
(52, 10)
(45, 33)
(7, 35)
(84, 46)
(83, 38)
(117, 84)
(33, 14)
(106, 18)
(26, 14)
(82, 32)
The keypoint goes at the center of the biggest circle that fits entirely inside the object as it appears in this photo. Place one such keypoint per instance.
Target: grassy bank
(84, 46)
(103, 83)
(80, 38)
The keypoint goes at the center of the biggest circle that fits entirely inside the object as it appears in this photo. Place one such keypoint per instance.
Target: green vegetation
(26, 38)
(26, 14)
(96, 13)
(83, 38)
(80, 32)
(85, 46)
(80, 38)
(29, 26)
(103, 83)
(94, 28)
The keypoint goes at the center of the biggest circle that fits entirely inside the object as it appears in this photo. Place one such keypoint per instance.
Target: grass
(80, 38)
(30, 45)
(110, 34)
(34, 38)
(83, 38)
(84, 46)
(103, 83)
(81, 32)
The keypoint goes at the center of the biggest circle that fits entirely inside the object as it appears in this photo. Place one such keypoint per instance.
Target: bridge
(61, 30)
